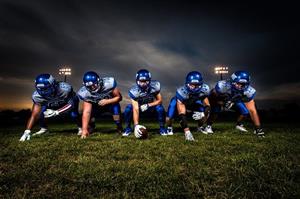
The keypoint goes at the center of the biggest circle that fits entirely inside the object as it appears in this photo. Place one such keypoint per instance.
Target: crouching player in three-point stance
(235, 93)
(50, 99)
(99, 95)
(192, 96)
(145, 96)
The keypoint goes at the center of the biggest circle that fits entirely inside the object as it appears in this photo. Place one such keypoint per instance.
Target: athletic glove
(198, 115)
(25, 136)
(228, 105)
(144, 107)
(50, 113)
(189, 136)
(137, 132)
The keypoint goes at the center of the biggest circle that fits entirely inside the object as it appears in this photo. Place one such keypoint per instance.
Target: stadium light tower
(221, 70)
(65, 71)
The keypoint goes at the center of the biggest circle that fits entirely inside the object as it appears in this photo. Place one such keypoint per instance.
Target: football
(144, 133)
(141, 132)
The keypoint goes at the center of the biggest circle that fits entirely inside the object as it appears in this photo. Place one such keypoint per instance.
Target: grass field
(224, 165)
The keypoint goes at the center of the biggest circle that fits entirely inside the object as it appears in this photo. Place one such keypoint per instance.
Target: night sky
(169, 39)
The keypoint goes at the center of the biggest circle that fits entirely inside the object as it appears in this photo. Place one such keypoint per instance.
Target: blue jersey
(63, 95)
(224, 88)
(109, 84)
(145, 97)
(189, 98)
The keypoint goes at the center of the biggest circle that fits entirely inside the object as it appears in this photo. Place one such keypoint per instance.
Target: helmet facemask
(194, 87)
(94, 87)
(143, 84)
(240, 86)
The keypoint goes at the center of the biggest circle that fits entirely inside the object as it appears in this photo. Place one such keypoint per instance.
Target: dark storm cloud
(116, 39)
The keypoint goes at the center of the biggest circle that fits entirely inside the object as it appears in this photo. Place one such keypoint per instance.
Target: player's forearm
(155, 103)
(31, 121)
(85, 120)
(135, 116)
(114, 100)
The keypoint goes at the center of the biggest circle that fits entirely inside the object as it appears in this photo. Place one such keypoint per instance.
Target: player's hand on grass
(259, 132)
(189, 136)
(84, 134)
(25, 136)
(50, 113)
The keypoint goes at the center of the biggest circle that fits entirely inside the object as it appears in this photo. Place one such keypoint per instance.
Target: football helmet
(194, 81)
(143, 79)
(92, 81)
(240, 80)
(45, 85)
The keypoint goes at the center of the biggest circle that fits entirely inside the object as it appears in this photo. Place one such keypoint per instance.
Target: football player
(50, 99)
(145, 96)
(193, 96)
(99, 95)
(235, 93)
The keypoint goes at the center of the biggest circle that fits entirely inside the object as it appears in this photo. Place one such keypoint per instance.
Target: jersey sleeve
(221, 87)
(205, 89)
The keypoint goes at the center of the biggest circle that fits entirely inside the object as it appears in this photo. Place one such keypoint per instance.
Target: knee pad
(183, 121)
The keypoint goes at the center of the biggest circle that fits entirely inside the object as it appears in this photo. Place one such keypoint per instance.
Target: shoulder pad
(37, 98)
(134, 92)
(222, 87)
(250, 92)
(83, 93)
(205, 89)
(182, 93)
(64, 86)
(155, 86)
(109, 83)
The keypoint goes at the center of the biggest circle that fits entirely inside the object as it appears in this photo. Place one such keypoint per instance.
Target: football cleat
(170, 130)
(163, 131)
(127, 131)
(189, 136)
(208, 130)
(41, 131)
(202, 130)
(241, 127)
(259, 132)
